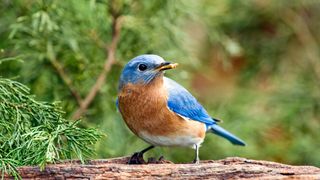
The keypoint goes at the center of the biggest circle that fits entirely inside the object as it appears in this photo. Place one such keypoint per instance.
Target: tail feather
(216, 129)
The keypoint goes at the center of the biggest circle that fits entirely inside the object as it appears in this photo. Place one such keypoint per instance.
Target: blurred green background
(255, 64)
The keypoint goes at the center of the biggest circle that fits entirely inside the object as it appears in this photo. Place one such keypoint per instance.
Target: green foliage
(254, 64)
(35, 133)
(76, 35)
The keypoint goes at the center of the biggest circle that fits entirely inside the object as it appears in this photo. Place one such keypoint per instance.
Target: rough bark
(230, 168)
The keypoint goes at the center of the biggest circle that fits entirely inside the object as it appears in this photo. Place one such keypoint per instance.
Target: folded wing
(184, 104)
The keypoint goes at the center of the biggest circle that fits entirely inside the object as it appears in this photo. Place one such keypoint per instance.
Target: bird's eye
(142, 67)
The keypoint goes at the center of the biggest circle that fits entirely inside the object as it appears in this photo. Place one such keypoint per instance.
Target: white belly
(173, 140)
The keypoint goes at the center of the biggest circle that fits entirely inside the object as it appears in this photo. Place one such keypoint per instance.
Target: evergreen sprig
(35, 133)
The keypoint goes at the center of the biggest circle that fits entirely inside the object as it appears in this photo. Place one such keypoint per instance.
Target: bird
(162, 112)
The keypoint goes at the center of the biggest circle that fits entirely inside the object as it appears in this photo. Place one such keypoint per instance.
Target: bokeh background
(255, 64)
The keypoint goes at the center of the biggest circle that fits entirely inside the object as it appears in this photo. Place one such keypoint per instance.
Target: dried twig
(110, 60)
(59, 68)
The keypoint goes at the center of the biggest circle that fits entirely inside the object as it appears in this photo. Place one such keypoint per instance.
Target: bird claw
(136, 158)
(161, 158)
(196, 161)
(153, 160)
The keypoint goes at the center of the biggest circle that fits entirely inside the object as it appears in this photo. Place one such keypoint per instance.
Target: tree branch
(110, 60)
(58, 67)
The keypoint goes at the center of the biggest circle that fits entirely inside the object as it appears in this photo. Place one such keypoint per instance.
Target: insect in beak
(166, 66)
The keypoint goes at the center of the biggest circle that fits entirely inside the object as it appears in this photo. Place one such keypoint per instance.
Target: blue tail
(216, 129)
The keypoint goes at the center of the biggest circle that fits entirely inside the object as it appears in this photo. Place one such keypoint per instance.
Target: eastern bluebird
(162, 112)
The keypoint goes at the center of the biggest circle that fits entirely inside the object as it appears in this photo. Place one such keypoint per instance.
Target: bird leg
(137, 157)
(196, 158)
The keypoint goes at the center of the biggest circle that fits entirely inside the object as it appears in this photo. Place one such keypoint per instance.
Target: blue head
(143, 69)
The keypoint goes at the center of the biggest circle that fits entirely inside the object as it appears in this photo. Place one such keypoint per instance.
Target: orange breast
(144, 109)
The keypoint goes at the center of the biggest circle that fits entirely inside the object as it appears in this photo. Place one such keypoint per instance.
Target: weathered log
(229, 168)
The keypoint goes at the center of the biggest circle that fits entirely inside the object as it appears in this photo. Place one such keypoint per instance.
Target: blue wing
(117, 103)
(183, 103)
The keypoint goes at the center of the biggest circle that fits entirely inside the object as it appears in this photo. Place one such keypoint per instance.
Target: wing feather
(183, 103)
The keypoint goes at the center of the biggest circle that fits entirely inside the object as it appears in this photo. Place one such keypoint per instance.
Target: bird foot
(161, 158)
(153, 160)
(136, 158)
(196, 161)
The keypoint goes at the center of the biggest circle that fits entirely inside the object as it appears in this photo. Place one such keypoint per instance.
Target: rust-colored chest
(144, 109)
